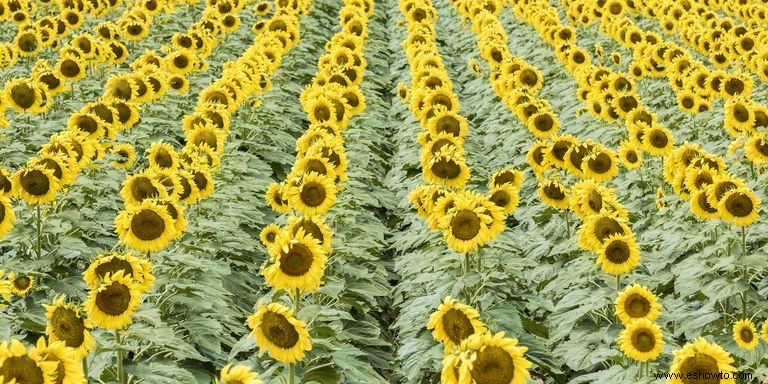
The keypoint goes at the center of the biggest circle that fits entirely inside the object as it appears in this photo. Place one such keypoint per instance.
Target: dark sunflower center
(600, 164)
(631, 157)
(559, 148)
(22, 282)
(493, 365)
(606, 227)
(322, 113)
(297, 261)
(465, 225)
(734, 86)
(739, 204)
(746, 335)
(457, 325)
(122, 90)
(313, 194)
(643, 340)
(315, 165)
(500, 198)
(310, 228)
(595, 201)
(544, 122)
(35, 182)
(208, 137)
(271, 237)
(143, 188)
(687, 102)
(23, 95)
(23, 369)
(448, 124)
(577, 155)
(627, 103)
(658, 139)
(704, 204)
(278, 330)
(180, 61)
(86, 124)
(70, 68)
(762, 147)
(52, 165)
(723, 187)
(68, 327)
(112, 266)
(529, 77)
(637, 306)
(437, 144)
(5, 184)
(27, 42)
(114, 300)
(201, 181)
(61, 371)
(617, 251)
(147, 225)
(446, 169)
(504, 177)
(553, 191)
(701, 366)
(740, 113)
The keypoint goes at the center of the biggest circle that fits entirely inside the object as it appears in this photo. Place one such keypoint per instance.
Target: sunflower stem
(39, 233)
(567, 224)
(744, 242)
(479, 261)
(85, 369)
(743, 305)
(618, 283)
(291, 373)
(120, 357)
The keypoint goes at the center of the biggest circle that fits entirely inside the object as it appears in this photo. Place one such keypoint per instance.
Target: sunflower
(446, 167)
(36, 184)
(739, 206)
(619, 254)
(70, 68)
(468, 224)
(137, 269)
(207, 135)
(6, 184)
(636, 302)
(66, 324)
(21, 284)
(554, 194)
(141, 186)
(269, 234)
(125, 155)
(111, 305)
(277, 198)
(745, 334)
(145, 227)
(722, 184)
(7, 217)
(69, 370)
(701, 207)
(314, 163)
(505, 197)
(314, 194)
(756, 148)
(20, 365)
(641, 340)
(600, 165)
(739, 116)
(23, 95)
(703, 361)
(313, 226)
(493, 358)
(506, 176)
(262, 8)
(658, 140)
(298, 262)
(277, 331)
(630, 155)
(239, 375)
(161, 155)
(454, 322)
(574, 157)
(596, 229)
(543, 124)
(555, 154)
(764, 331)
(64, 168)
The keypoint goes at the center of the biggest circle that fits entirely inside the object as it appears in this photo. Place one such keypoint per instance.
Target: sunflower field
(383, 191)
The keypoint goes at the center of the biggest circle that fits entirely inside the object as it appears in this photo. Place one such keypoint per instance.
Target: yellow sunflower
(7, 217)
(505, 197)
(21, 365)
(469, 224)
(630, 155)
(162, 155)
(764, 331)
(619, 254)
(277, 199)
(701, 207)
(658, 140)
(703, 362)
(109, 263)
(125, 155)
(636, 302)
(277, 331)
(454, 322)
(296, 262)
(493, 358)
(739, 207)
(756, 148)
(239, 375)
(600, 165)
(597, 228)
(446, 167)
(111, 305)
(66, 324)
(314, 194)
(555, 154)
(140, 187)
(36, 184)
(554, 194)
(641, 340)
(145, 227)
(745, 334)
(269, 234)
(506, 176)
(69, 369)
(313, 226)
(660, 196)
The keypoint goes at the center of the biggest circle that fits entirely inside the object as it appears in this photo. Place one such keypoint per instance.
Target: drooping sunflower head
(141, 186)
(277, 198)
(454, 322)
(493, 358)
(18, 364)
(68, 366)
(636, 302)
(702, 359)
(111, 263)
(65, 323)
(701, 207)
(739, 206)
(745, 334)
(555, 154)
(124, 155)
(506, 176)
(641, 340)
(575, 155)
(554, 194)
(277, 331)
(145, 227)
(112, 303)
(315, 227)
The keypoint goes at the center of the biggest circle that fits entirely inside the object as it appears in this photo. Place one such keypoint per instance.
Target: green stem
(292, 373)
(567, 223)
(717, 250)
(296, 307)
(744, 241)
(467, 264)
(743, 305)
(85, 369)
(120, 357)
(479, 261)
(618, 282)
(39, 233)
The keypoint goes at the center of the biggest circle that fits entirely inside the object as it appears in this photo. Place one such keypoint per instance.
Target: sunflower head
(277, 331)
(145, 227)
(745, 334)
(493, 358)
(641, 340)
(113, 302)
(18, 364)
(636, 302)
(65, 323)
(702, 358)
(240, 374)
(454, 322)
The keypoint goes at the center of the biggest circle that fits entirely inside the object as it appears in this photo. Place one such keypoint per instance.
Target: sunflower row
(468, 219)
(695, 85)
(721, 39)
(48, 31)
(752, 13)
(153, 217)
(298, 252)
(34, 94)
